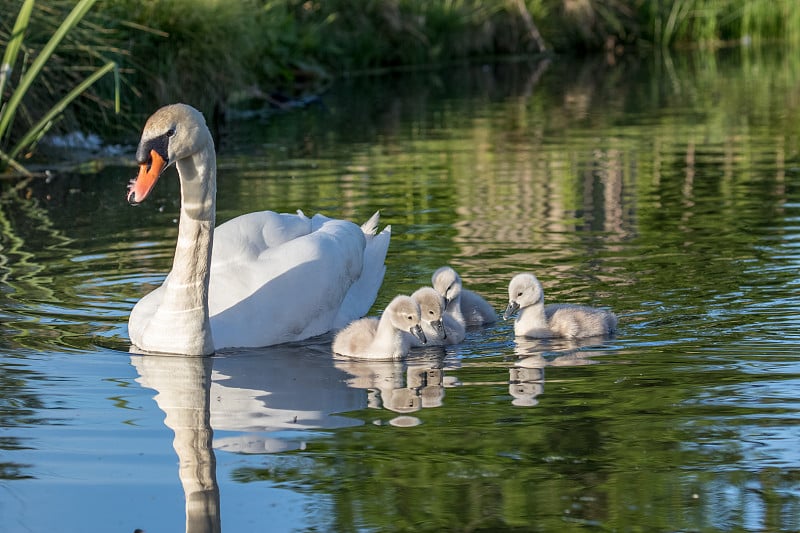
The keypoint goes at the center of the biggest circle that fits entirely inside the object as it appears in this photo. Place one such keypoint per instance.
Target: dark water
(665, 189)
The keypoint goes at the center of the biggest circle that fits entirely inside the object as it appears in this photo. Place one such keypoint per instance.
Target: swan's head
(447, 282)
(523, 290)
(404, 315)
(431, 307)
(172, 133)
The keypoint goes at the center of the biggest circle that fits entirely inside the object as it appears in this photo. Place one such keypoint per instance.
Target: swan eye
(170, 132)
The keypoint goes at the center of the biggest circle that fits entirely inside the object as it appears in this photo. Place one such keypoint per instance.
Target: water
(666, 190)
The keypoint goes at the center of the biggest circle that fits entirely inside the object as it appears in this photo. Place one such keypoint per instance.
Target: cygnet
(431, 307)
(525, 294)
(472, 308)
(387, 338)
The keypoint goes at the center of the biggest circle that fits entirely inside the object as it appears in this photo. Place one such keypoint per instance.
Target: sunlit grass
(189, 49)
(716, 22)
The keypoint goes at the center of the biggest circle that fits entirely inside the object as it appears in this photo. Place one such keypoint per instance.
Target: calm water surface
(667, 190)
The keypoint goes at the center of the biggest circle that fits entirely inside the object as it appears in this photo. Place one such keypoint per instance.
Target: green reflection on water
(665, 190)
(659, 196)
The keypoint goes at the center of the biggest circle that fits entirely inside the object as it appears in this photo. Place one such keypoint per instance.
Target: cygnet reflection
(401, 386)
(527, 375)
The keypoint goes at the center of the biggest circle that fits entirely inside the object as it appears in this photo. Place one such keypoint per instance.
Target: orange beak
(147, 178)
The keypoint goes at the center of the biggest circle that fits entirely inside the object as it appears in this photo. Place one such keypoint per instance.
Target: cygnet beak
(418, 333)
(512, 308)
(438, 327)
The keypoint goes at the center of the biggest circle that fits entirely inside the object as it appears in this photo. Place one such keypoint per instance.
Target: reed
(712, 23)
(43, 82)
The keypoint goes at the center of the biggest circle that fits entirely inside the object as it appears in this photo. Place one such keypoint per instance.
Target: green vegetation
(268, 53)
(213, 49)
(24, 116)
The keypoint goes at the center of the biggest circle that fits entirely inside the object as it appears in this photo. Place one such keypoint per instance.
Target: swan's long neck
(186, 298)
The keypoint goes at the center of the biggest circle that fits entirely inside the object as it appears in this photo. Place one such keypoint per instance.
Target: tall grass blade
(14, 44)
(8, 111)
(117, 103)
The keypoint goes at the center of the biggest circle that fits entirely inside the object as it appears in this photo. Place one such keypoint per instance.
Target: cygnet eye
(519, 293)
(430, 312)
(170, 132)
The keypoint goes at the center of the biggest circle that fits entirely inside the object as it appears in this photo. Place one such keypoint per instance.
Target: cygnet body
(431, 306)
(472, 308)
(387, 338)
(447, 283)
(535, 319)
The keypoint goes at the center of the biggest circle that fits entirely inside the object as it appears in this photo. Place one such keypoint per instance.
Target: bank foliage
(211, 48)
(278, 52)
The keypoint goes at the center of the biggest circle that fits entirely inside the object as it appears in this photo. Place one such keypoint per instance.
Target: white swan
(387, 338)
(474, 310)
(271, 278)
(431, 308)
(537, 320)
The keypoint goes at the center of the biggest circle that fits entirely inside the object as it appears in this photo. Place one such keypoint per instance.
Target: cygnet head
(431, 306)
(172, 133)
(404, 314)
(524, 290)
(447, 282)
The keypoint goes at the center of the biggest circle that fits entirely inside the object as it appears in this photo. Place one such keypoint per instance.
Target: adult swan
(269, 278)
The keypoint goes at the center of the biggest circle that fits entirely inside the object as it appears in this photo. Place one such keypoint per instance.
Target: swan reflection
(271, 398)
(268, 397)
(182, 385)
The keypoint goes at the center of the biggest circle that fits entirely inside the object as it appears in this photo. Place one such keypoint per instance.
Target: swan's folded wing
(364, 291)
(289, 292)
(247, 236)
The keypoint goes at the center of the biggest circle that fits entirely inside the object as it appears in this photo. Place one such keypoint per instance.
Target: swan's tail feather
(362, 293)
(370, 227)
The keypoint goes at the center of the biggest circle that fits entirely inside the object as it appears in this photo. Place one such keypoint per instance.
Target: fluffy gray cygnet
(535, 319)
